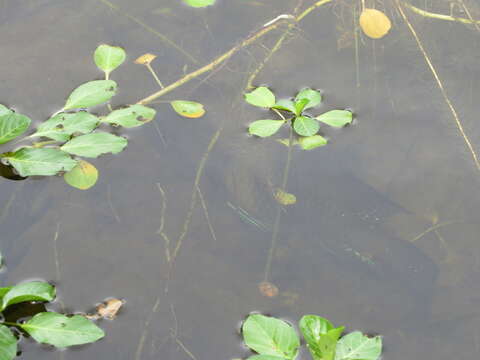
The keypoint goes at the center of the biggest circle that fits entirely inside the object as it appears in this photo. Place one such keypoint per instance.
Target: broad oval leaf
(90, 94)
(355, 346)
(95, 144)
(265, 128)
(43, 162)
(285, 104)
(313, 97)
(8, 344)
(261, 97)
(108, 57)
(336, 118)
(199, 3)
(312, 142)
(131, 116)
(305, 126)
(83, 176)
(188, 109)
(62, 126)
(270, 336)
(12, 124)
(29, 291)
(62, 331)
(374, 23)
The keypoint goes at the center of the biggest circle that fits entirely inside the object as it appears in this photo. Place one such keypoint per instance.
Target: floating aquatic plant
(275, 339)
(302, 123)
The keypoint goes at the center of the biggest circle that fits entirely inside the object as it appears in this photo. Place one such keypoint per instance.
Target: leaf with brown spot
(83, 176)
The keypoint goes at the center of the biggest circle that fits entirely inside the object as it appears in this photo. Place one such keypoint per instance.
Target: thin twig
(441, 87)
(162, 223)
(150, 29)
(141, 343)
(434, 227)
(207, 217)
(428, 14)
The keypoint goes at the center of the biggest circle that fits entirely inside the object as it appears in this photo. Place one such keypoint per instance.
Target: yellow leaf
(188, 109)
(374, 23)
(285, 198)
(145, 59)
(83, 176)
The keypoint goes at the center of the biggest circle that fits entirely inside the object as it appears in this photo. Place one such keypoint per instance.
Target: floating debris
(374, 23)
(268, 289)
(284, 197)
(107, 310)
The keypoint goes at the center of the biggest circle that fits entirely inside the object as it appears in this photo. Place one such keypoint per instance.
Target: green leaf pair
(303, 125)
(45, 327)
(274, 339)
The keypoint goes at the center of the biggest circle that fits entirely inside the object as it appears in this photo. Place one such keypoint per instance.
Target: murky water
(384, 235)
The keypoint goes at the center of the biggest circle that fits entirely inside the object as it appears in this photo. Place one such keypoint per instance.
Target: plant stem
(43, 143)
(276, 226)
(10, 323)
(149, 67)
(440, 16)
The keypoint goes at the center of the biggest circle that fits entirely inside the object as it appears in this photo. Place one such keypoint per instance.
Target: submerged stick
(431, 15)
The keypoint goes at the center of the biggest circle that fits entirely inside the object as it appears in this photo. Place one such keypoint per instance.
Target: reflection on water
(384, 234)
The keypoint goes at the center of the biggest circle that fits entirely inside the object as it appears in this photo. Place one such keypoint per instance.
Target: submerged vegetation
(46, 327)
(275, 339)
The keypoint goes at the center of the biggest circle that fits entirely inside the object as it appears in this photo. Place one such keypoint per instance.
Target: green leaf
(12, 124)
(265, 357)
(320, 335)
(3, 291)
(63, 125)
(261, 97)
(312, 142)
(300, 105)
(313, 97)
(83, 176)
(62, 331)
(336, 118)
(108, 57)
(285, 104)
(199, 3)
(188, 109)
(45, 162)
(8, 344)
(29, 291)
(95, 144)
(305, 126)
(90, 94)
(356, 346)
(264, 128)
(270, 336)
(131, 116)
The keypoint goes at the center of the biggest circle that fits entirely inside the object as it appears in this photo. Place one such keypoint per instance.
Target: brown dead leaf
(107, 310)
(145, 59)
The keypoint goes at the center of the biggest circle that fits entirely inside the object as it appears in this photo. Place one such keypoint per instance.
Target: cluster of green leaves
(45, 327)
(304, 125)
(74, 132)
(275, 339)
